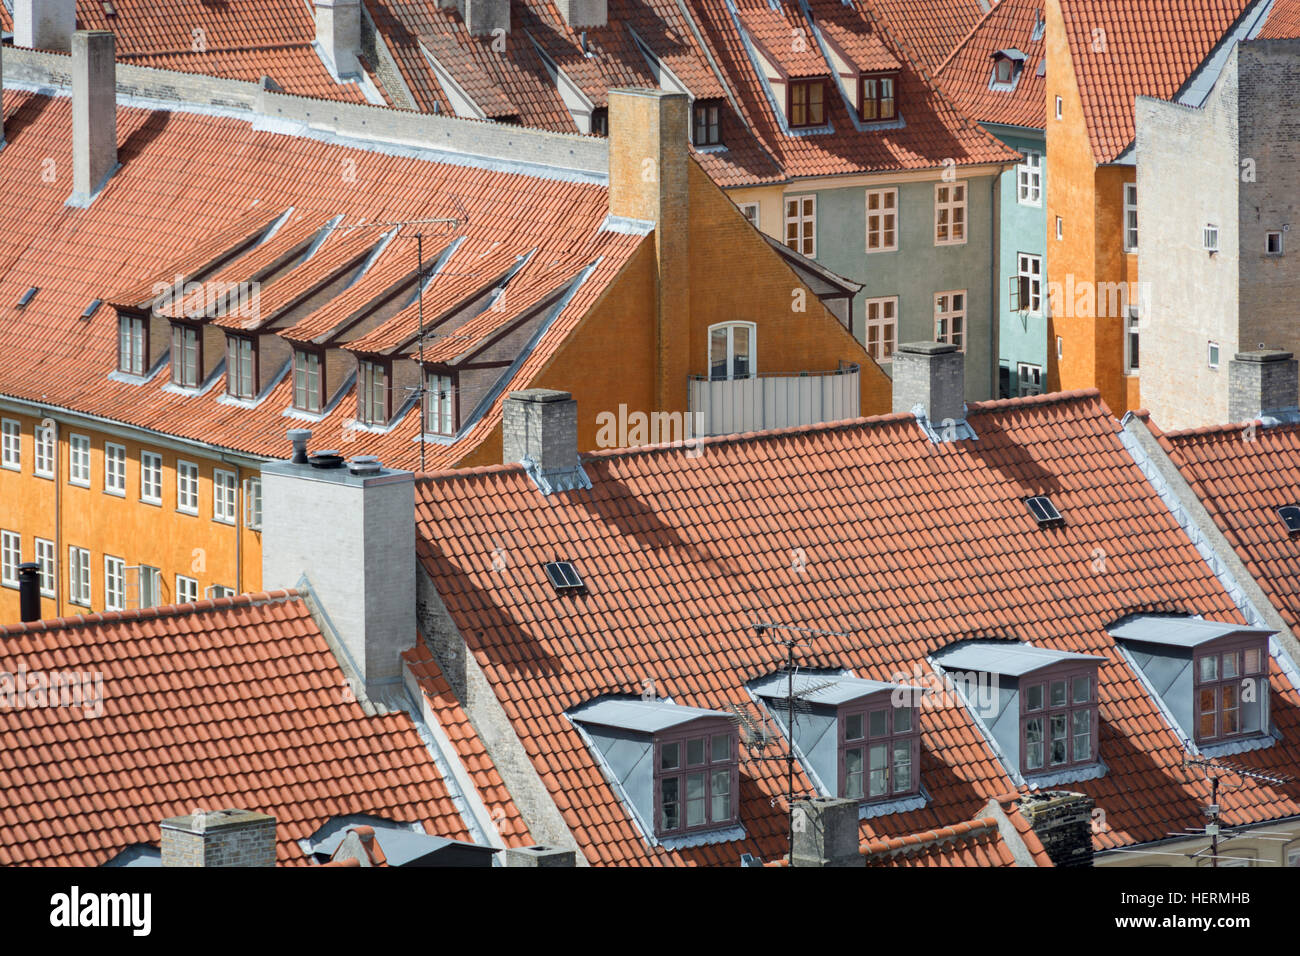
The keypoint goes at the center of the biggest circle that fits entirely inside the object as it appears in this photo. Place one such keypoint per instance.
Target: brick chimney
(826, 833)
(219, 838)
(483, 17)
(931, 377)
(1062, 820)
(45, 24)
(539, 427)
(94, 114)
(648, 180)
(1262, 384)
(338, 33)
(584, 13)
(350, 530)
(538, 856)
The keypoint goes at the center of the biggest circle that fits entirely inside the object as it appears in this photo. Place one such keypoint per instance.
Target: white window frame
(1210, 237)
(880, 324)
(1025, 261)
(951, 316)
(1029, 179)
(803, 202)
(114, 468)
(214, 591)
(114, 583)
(1060, 348)
(47, 450)
(1213, 354)
(187, 487)
(241, 367)
(1131, 237)
(372, 390)
(225, 496)
(151, 463)
(46, 558)
(440, 405)
(79, 583)
(146, 573)
(952, 205)
(1281, 247)
(308, 367)
(131, 339)
(731, 350)
(79, 460)
(1021, 369)
(1060, 108)
(11, 455)
(750, 210)
(187, 590)
(11, 555)
(253, 504)
(1132, 327)
(1060, 228)
(881, 213)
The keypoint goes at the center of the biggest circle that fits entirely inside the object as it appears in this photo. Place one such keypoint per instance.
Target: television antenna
(1214, 829)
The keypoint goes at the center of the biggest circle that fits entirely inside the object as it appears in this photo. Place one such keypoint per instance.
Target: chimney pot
(365, 465)
(327, 458)
(94, 113)
(300, 437)
(45, 24)
(29, 591)
(1265, 383)
(930, 375)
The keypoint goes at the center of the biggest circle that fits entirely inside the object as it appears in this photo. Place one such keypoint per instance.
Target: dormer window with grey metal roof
(856, 739)
(1007, 65)
(676, 768)
(1210, 678)
(1036, 705)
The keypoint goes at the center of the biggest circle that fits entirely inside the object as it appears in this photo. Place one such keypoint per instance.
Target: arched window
(732, 351)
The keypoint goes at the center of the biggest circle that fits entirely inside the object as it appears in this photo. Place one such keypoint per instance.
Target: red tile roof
(1150, 49)
(232, 180)
(930, 28)
(966, 73)
(908, 547)
(979, 842)
(233, 702)
(1283, 21)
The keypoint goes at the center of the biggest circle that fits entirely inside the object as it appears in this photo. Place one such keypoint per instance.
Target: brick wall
(220, 838)
(1063, 822)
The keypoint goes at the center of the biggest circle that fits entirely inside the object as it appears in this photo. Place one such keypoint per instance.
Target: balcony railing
(775, 399)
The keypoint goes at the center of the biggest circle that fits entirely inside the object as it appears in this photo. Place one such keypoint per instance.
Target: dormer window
(241, 366)
(600, 121)
(132, 344)
(807, 103)
(1007, 65)
(439, 403)
(879, 97)
(187, 355)
(374, 405)
(1231, 680)
(880, 747)
(695, 778)
(706, 128)
(308, 381)
(1058, 719)
(1004, 70)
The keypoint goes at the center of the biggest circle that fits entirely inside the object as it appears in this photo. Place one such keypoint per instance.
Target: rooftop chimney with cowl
(485, 17)
(338, 34)
(45, 24)
(219, 838)
(1263, 384)
(539, 427)
(580, 14)
(930, 382)
(29, 591)
(94, 114)
(349, 530)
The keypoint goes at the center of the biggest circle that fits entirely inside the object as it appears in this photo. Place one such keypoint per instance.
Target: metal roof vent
(326, 459)
(299, 437)
(365, 465)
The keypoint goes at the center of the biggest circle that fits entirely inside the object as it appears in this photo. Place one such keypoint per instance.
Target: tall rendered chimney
(931, 377)
(584, 13)
(648, 180)
(1262, 384)
(485, 17)
(338, 31)
(45, 24)
(94, 114)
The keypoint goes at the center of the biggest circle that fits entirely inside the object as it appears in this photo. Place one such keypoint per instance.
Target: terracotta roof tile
(967, 73)
(1283, 21)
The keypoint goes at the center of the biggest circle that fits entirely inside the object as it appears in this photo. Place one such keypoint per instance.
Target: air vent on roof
(1041, 507)
(326, 459)
(563, 576)
(27, 296)
(1290, 515)
(91, 309)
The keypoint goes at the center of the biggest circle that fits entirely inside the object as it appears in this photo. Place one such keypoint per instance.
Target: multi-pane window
(695, 781)
(241, 366)
(372, 393)
(148, 586)
(1231, 689)
(880, 747)
(1131, 342)
(218, 591)
(707, 127)
(187, 355)
(750, 211)
(79, 576)
(1210, 237)
(1030, 285)
(807, 103)
(801, 224)
(151, 477)
(882, 220)
(114, 583)
(114, 469)
(45, 450)
(187, 487)
(1130, 217)
(132, 344)
(11, 444)
(225, 492)
(439, 404)
(878, 98)
(1030, 378)
(11, 555)
(949, 213)
(882, 327)
(731, 351)
(253, 503)
(307, 381)
(79, 460)
(45, 559)
(1058, 720)
(950, 318)
(187, 590)
(1029, 180)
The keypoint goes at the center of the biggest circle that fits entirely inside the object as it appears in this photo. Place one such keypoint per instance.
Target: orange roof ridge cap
(257, 599)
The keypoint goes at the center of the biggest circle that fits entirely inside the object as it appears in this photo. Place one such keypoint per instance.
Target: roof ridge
(1228, 428)
(922, 840)
(257, 599)
(961, 44)
(248, 48)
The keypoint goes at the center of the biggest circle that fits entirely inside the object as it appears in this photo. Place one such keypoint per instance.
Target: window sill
(1239, 745)
(230, 522)
(702, 838)
(9, 584)
(191, 514)
(1055, 778)
(880, 808)
(17, 468)
(41, 474)
(48, 594)
(155, 504)
(949, 242)
(115, 494)
(85, 604)
(872, 252)
(78, 484)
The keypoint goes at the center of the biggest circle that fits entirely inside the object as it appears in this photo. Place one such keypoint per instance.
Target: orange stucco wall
(159, 536)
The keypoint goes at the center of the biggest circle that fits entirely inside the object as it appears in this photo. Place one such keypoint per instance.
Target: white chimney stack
(45, 24)
(94, 114)
(580, 14)
(485, 17)
(338, 32)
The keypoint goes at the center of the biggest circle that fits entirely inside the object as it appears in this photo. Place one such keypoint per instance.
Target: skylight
(1041, 507)
(564, 577)
(1290, 515)
(27, 296)
(91, 309)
